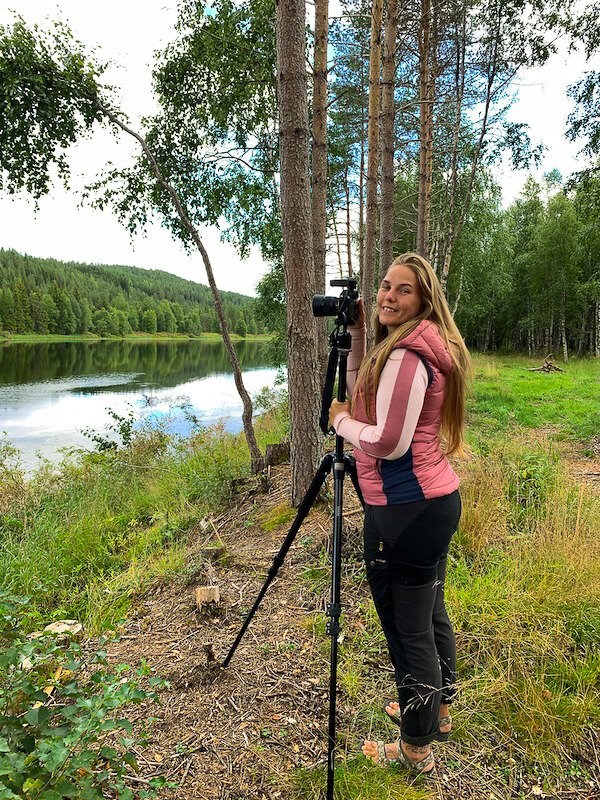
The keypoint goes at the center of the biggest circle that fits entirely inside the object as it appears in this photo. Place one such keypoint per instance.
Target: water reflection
(49, 393)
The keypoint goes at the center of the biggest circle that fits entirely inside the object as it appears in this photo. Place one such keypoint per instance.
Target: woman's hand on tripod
(337, 408)
(360, 320)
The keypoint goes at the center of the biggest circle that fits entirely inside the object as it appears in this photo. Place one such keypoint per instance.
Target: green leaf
(67, 788)
(38, 716)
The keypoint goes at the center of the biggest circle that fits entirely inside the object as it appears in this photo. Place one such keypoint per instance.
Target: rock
(64, 626)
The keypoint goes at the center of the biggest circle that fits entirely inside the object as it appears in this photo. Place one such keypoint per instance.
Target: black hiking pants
(405, 549)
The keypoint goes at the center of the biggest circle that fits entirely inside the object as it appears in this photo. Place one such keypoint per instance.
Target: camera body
(344, 307)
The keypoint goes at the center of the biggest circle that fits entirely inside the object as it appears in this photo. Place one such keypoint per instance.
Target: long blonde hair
(434, 308)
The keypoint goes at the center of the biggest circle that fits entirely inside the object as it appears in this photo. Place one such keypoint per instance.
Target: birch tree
(40, 119)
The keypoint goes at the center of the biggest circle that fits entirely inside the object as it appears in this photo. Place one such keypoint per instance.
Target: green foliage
(81, 537)
(62, 735)
(526, 274)
(48, 296)
(47, 102)
(530, 480)
(214, 136)
(270, 310)
(122, 427)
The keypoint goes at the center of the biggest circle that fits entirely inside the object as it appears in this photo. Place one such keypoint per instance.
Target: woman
(407, 391)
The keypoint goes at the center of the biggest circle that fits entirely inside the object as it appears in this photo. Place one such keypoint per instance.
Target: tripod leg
(351, 467)
(303, 509)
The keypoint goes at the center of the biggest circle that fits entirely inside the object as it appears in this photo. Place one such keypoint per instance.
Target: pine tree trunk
(368, 276)
(597, 332)
(459, 88)
(298, 261)
(425, 129)
(319, 169)
(361, 209)
(386, 227)
(348, 227)
(338, 245)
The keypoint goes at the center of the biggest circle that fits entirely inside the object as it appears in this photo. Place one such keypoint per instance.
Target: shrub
(60, 733)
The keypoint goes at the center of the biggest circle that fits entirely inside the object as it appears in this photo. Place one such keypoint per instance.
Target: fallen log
(547, 366)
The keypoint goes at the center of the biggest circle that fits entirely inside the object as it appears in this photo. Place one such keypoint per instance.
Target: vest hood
(427, 341)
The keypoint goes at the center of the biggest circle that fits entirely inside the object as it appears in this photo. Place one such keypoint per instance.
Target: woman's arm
(402, 386)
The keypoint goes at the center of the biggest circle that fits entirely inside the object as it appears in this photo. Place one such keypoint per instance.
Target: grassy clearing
(507, 395)
(522, 590)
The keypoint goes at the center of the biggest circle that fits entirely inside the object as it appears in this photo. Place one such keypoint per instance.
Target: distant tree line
(48, 296)
(527, 277)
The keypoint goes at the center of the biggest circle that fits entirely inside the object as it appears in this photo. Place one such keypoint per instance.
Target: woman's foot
(413, 754)
(393, 710)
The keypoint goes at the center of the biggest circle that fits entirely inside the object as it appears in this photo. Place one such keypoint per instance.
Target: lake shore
(51, 338)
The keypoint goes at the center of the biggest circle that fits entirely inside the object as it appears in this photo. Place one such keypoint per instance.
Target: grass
(508, 395)
(83, 541)
(523, 586)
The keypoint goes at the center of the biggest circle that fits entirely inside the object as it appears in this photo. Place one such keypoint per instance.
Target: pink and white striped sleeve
(357, 353)
(402, 386)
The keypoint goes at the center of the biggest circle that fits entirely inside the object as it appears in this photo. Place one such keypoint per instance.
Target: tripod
(340, 463)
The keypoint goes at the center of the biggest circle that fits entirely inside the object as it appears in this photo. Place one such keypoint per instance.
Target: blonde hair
(434, 308)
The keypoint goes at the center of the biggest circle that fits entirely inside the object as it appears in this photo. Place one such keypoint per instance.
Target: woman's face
(398, 298)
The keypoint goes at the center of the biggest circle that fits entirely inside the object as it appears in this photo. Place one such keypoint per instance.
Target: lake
(50, 393)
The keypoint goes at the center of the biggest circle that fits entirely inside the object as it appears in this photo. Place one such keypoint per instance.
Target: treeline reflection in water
(50, 393)
(164, 364)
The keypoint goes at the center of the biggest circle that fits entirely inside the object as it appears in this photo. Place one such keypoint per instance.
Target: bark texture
(368, 276)
(319, 168)
(426, 97)
(386, 227)
(298, 261)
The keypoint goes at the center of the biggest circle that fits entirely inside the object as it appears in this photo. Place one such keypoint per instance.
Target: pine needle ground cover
(522, 590)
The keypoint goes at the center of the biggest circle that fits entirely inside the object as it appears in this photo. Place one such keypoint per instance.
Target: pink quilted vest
(423, 472)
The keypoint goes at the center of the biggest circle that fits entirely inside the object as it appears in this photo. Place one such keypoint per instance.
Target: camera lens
(324, 306)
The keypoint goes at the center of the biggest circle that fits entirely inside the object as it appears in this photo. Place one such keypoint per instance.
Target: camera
(344, 307)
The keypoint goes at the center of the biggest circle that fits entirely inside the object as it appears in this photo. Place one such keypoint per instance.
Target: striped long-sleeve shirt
(398, 453)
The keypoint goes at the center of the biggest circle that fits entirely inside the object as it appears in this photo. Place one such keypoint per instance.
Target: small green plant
(61, 735)
(530, 482)
(122, 426)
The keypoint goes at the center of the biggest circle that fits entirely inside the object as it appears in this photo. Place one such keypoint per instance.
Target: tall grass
(523, 591)
(525, 599)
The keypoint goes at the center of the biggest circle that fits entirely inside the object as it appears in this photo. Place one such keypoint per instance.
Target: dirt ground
(236, 733)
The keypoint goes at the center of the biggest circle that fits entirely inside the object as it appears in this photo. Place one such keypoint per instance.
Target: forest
(49, 296)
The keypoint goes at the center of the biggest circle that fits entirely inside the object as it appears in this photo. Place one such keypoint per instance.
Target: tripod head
(345, 310)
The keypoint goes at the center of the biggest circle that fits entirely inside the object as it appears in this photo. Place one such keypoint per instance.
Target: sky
(128, 33)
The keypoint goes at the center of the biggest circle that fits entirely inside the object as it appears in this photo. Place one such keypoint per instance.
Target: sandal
(420, 767)
(417, 766)
(440, 737)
